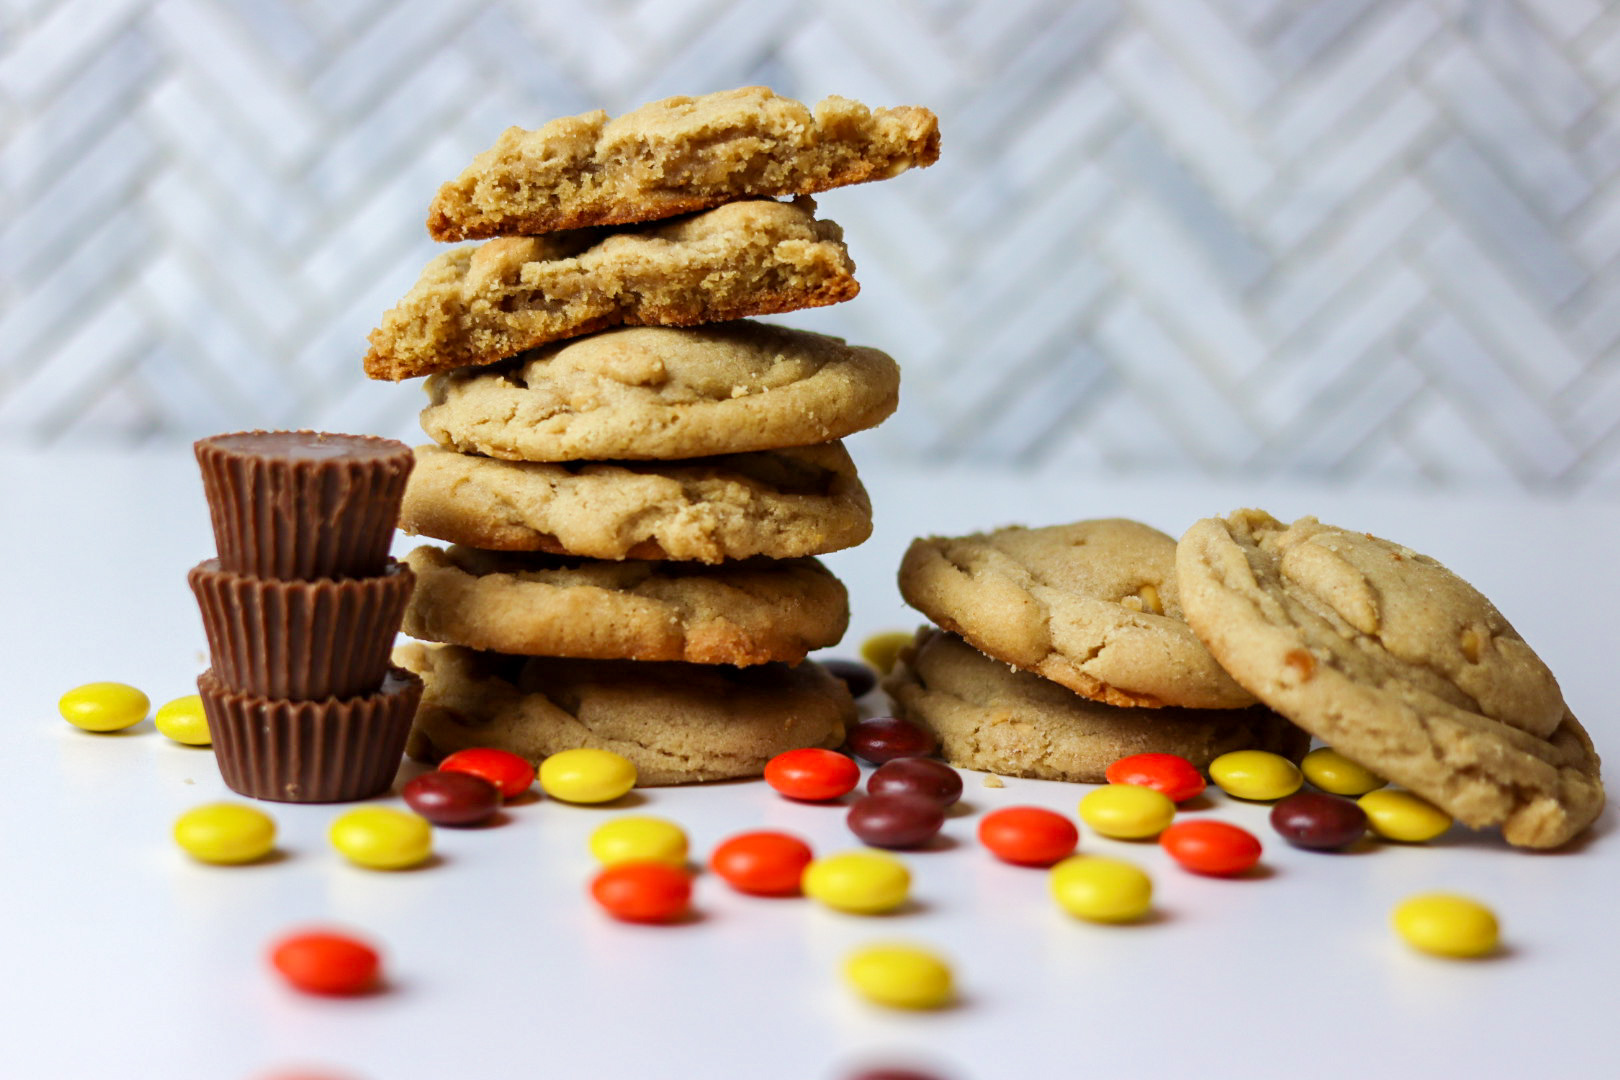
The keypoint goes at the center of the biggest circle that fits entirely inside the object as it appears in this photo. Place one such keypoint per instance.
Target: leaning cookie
(480, 305)
(1012, 723)
(1397, 663)
(1092, 606)
(655, 393)
(742, 613)
(780, 504)
(677, 723)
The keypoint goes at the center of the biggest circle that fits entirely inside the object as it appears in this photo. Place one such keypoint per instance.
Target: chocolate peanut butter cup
(300, 639)
(301, 505)
(332, 750)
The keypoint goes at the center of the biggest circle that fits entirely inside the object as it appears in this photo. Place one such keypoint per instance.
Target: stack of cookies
(1121, 640)
(1063, 649)
(636, 480)
(301, 608)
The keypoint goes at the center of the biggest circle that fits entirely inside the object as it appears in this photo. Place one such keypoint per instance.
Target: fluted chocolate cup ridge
(333, 750)
(303, 505)
(300, 640)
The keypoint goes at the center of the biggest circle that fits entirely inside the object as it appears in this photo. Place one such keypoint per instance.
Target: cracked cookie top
(1395, 662)
(652, 392)
(674, 156)
(1092, 605)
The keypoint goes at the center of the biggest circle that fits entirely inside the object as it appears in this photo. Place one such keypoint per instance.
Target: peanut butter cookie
(1092, 606)
(674, 156)
(742, 613)
(1396, 663)
(656, 393)
(1013, 723)
(677, 723)
(781, 504)
(478, 305)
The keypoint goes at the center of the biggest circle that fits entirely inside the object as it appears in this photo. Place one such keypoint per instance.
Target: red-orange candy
(508, 772)
(643, 892)
(812, 774)
(1028, 835)
(1170, 774)
(1211, 847)
(320, 962)
(762, 863)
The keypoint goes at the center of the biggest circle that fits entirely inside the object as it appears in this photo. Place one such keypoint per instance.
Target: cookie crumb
(992, 780)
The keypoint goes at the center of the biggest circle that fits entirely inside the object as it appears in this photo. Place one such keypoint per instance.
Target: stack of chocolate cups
(301, 609)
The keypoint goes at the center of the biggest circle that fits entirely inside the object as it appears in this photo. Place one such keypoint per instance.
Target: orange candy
(321, 962)
(1211, 847)
(1171, 774)
(643, 892)
(1028, 835)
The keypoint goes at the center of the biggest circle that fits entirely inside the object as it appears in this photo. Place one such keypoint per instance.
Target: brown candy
(300, 639)
(302, 505)
(332, 750)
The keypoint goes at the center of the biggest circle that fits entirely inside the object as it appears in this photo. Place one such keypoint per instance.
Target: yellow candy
(1101, 890)
(638, 839)
(225, 833)
(381, 838)
(882, 650)
(900, 976)
(104, 706)
(1446, 925)
(1126, 812)
(587, 776)
(1256, 774)
(1400, 815)
(859, 882)
(184, 721)
(1338, 775)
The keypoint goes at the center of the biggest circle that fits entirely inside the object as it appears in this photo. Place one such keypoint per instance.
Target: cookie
(741, 613)
(674, 156)
(1092, 606)
(781, 504)
(478, 305)
(1396, 663)
(657, 393)
(678, 723)
(1013, 723)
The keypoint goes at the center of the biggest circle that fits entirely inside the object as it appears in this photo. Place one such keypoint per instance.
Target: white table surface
(123, 958)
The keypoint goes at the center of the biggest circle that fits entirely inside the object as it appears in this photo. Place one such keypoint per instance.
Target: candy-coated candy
(1338, 775)
(882, 650)
(1211, 847)
(1171, 774)
(320, 962)
(917, 776)
(225, 833)
(1100, 889)
(1258, 775)
(1446, 924)
(1125, 812)
(512, 775)
(587, 776)
(104, 706)
(884, 738)
(643, 892)
(762, 863)
(812, 774)
(896, 821)
(1312, 820)
(1400, 815)
(382, 838)
(859, 677)
(1028, 835)
(900, 976)
(184, 721)
(859, 882)
(452, 798)
(881, 1073)
(635, 838)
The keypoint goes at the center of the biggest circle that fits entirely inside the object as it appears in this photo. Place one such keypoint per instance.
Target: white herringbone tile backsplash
(1369, 240)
